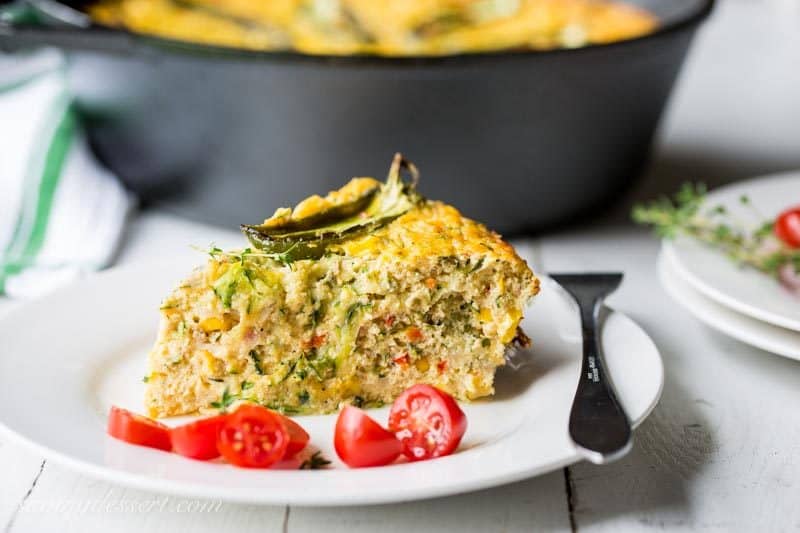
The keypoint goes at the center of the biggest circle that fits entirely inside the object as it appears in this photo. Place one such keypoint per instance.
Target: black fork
(597, 423)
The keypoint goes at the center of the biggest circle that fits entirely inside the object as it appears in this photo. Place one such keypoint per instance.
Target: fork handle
(597, 424)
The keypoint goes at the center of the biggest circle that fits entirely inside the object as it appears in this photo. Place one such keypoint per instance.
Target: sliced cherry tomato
(198, 440)
(787, 227)
(360, 441)
(137, 429)
(298, 437)
(253, 437)
(427, 421)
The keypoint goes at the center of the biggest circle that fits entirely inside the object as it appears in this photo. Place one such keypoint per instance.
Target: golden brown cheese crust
(432, 229)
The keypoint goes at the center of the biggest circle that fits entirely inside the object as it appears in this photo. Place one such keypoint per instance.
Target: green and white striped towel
(61, 213)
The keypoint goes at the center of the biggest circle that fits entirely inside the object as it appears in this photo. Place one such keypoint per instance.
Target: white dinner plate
(69, 356)
(774, 339)
(742, 289)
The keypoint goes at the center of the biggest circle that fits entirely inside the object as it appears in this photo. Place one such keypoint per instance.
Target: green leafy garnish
(256, 362)
(286, 258)
(226, 400)
(315, 462)
(687, 214)
(323, 367)
(311, 237)
(292, 366)
(283, 409)
(226, 285)
(303, 397)
(477, 266)
(353, 309)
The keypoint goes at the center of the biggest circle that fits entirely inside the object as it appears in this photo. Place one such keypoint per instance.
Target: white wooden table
(721, 452)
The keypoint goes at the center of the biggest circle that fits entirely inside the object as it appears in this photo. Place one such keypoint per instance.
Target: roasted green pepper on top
(360, 207)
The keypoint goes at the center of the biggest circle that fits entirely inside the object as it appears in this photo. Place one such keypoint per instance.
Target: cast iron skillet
(519, 140)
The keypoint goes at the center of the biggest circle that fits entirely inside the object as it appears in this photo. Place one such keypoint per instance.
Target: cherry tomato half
(427, 421)
(137, 429)
(360, 441)
(198, 440)
(298, 437)
(253, 437)
(787, 227)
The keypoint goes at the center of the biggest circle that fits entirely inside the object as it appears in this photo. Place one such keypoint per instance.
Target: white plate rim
(186, 489)
(708, 311)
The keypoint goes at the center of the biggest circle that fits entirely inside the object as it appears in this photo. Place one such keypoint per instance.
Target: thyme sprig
(225, 401)
(285, 258)
(687, 213)
(228, 398)
(315, 462)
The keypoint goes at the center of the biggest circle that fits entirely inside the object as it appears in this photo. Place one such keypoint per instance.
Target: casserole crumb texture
(431, 297)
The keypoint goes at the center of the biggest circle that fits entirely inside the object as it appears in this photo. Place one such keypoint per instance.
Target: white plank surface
(538, 503)
(19, 472)
(68, 502)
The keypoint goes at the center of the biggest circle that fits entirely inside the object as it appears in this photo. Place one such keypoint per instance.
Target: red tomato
(414, 334)
(298, 437)
(427, 421)
(198, 440)
(402, 360)
(787, 227)
(360, 441)
(138, 429)
(253, 437)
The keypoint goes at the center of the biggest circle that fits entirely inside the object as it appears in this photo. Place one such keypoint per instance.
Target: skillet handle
(31, 23)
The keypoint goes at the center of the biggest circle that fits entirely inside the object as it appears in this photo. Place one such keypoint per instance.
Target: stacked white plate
(740, 302)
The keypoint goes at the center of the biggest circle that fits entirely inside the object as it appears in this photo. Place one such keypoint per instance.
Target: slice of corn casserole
(415, 294)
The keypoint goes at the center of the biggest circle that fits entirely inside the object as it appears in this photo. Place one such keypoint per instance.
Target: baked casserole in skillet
(382, 27)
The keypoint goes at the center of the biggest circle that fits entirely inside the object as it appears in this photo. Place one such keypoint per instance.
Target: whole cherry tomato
(787, 227)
